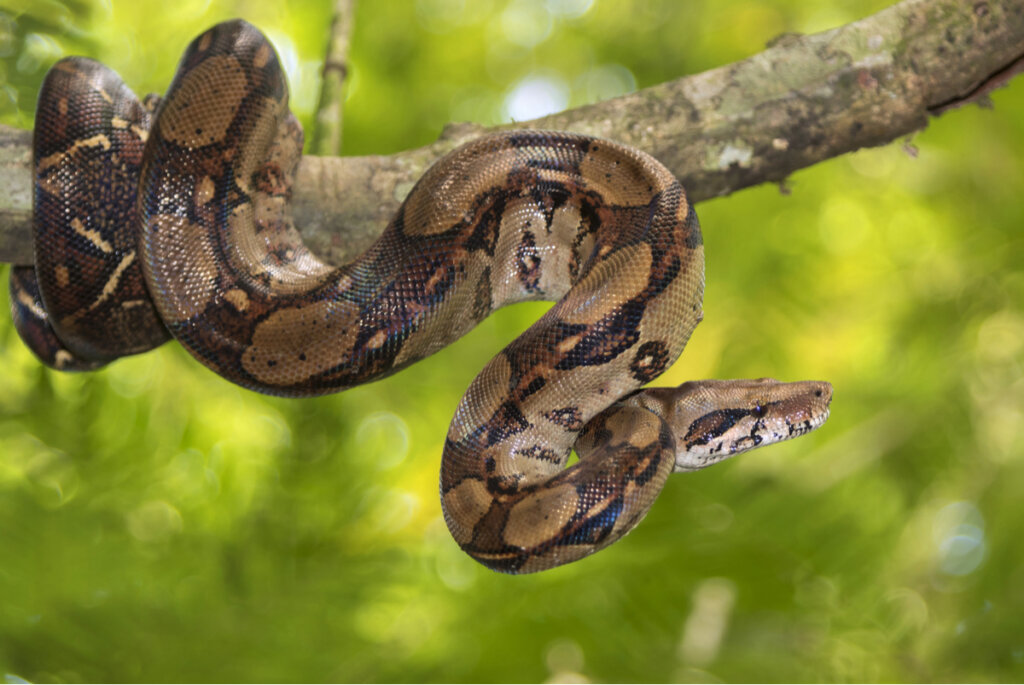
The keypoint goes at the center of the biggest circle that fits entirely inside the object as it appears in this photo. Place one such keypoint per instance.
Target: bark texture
(804, 99)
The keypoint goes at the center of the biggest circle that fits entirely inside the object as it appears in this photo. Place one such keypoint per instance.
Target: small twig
(332, 89)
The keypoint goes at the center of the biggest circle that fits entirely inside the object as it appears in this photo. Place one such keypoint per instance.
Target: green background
(159, 524)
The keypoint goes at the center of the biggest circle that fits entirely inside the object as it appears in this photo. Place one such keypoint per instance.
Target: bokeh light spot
(565, 659)
(440, 16)
(154, 521)
(959, 534)
(526, 22)
(39, 50)
(383, 438)
(605, 81)
(569, 9)
(705, 627)
(535, 96)
(844, 224)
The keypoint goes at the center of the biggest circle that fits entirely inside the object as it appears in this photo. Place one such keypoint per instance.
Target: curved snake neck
(179, 223)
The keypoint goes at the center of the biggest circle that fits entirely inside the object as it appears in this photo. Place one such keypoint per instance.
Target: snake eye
(759, 410)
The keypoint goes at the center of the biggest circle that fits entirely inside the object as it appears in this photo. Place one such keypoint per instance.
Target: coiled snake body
(177, 222)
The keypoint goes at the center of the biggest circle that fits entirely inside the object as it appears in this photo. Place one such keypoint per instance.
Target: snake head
(713, 420)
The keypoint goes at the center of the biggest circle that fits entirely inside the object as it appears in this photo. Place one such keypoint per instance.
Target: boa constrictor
(172, 217)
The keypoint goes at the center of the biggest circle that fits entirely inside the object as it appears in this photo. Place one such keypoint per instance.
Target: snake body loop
(602, 229)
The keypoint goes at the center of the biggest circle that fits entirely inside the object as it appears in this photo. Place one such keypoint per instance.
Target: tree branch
(332, 85)
(803, 100)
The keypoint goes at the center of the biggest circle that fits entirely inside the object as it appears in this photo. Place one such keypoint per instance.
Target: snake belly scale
(172, 218)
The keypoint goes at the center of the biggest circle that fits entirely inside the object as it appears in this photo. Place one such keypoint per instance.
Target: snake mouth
(798, 429)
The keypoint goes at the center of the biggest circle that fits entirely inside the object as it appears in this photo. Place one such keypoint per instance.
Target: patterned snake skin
(176, 223)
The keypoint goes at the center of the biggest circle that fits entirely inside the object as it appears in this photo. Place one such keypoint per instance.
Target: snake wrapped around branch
(170, 218)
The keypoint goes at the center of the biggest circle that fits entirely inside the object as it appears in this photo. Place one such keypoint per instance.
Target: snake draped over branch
(170, 218)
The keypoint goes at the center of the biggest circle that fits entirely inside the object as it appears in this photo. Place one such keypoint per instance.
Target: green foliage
(158, 524)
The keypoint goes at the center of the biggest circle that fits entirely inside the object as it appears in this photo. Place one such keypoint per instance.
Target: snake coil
(171, 218)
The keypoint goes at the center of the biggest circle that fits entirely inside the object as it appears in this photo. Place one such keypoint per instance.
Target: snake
(169, 217)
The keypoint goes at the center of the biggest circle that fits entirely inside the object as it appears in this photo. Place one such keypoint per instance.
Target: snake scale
(170, 218)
